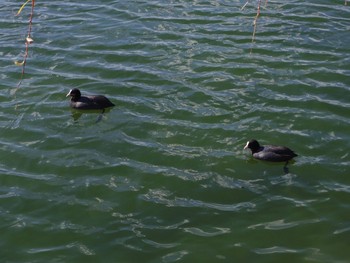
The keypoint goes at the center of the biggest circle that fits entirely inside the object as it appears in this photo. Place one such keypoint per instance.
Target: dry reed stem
(28, 41)
(255, 22)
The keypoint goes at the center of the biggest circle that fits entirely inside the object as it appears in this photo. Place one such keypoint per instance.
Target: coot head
(75, 94)
(253, 145)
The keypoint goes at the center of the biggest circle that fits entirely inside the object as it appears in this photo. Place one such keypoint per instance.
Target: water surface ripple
(163, 176)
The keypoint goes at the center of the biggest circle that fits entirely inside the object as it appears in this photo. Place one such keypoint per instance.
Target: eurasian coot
(91, 102)
(270, 153)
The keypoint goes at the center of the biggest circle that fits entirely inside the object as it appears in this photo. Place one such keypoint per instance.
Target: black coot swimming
(271, 153)
(91, 102)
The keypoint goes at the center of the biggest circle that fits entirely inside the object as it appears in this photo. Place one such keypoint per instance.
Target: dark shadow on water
(285, 164)
(76, 114)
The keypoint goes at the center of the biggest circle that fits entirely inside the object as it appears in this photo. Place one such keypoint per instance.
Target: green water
(163, 176)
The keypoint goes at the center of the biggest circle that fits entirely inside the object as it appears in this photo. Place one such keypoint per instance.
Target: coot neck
(75, 98)
(257, 149)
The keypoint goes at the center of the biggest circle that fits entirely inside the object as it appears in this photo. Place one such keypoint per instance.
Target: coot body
(270, 153)
(91, 102)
